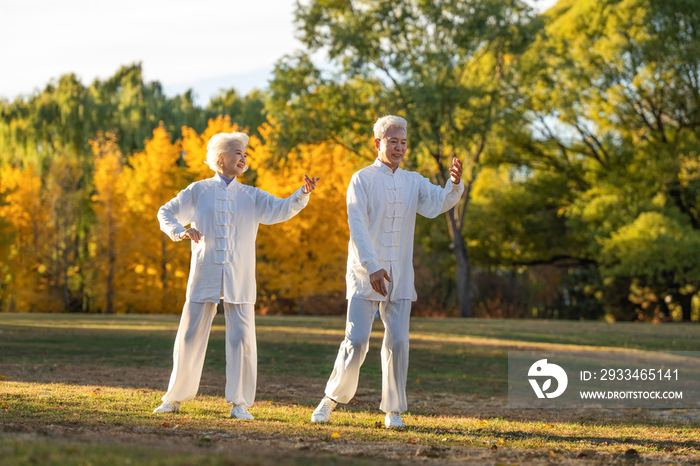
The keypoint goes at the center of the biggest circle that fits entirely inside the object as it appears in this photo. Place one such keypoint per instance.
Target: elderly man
(224, 216)
(383, 201)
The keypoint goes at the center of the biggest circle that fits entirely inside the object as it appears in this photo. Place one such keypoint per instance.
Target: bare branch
(585, 135)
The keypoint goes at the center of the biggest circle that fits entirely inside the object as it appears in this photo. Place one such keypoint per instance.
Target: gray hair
(387, 121)
(219, 144)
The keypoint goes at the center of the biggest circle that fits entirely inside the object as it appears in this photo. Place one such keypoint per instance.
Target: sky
(205, 45)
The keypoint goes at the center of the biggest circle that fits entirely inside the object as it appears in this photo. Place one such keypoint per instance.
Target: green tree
(443, 65)
(69, 214)
(66, 115)
(248, 112)
(611, 91)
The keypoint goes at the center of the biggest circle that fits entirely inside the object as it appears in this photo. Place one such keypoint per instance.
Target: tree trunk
(62, 264)
(464, 277)
(109, 306)
(455, 221)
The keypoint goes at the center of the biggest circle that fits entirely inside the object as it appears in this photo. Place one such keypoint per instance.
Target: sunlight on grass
(66, 375)
(111, 407)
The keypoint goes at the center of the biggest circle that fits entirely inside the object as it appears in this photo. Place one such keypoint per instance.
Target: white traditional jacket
(382, 208)
(228, 218)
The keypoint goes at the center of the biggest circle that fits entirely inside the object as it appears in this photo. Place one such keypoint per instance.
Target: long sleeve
(434, 200)
(273, 210)
(358, 220)
(177, 212)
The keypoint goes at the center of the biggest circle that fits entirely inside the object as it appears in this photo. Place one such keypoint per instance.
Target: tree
(612, 94)
(67, 203)
(159, 266)
(66, 115)
(249, 111)
(306, 256)
(441, 64)
(110, 237)
(27, 282)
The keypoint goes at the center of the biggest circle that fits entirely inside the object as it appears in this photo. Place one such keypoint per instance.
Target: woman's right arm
(177, 212)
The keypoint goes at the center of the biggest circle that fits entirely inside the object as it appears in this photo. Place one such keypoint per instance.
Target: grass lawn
(79, 389)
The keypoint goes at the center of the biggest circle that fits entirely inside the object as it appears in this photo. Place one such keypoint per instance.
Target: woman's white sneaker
(393, 420)
(241, 412)
(323, 411)
(168, 407)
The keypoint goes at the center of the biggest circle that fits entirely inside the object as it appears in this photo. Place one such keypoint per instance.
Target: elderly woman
(223, 215)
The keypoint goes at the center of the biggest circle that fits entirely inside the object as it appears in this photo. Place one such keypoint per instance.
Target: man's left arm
(434, 200)
(275, 210)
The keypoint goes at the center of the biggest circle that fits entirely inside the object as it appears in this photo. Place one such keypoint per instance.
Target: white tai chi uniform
(382, 208)
(222, 266)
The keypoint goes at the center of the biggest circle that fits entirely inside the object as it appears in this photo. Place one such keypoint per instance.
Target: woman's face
(233, 161)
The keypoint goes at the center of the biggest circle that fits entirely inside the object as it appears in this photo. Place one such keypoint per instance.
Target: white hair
(221, 143)
(387, 121)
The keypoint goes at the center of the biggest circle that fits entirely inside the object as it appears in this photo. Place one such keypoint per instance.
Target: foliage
(611, 99)
(305, 256)
(27, 281)
(110, 241)
(159, 266)
(248, 111)
(66, 115)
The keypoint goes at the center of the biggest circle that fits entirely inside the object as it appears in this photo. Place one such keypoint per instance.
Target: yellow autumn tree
(27, 239)
(109, 246)
(303, 260)
(158, 267)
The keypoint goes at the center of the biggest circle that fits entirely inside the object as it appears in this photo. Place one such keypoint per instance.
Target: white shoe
(241, 412)
(393, 420)
(168, 407)
(323, 412)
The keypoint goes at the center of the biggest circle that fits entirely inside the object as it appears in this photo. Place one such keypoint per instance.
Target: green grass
(79, 389)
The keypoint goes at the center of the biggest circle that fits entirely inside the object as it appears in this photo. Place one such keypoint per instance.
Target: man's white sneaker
(241, 412)
(168, 407)
(322, 413)
(393, 420)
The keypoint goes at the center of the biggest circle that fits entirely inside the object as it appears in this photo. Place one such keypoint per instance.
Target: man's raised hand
(456, 170)
(309, 184)
(377, 281)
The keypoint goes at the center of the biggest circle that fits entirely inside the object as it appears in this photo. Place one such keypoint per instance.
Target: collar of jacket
(221, 181)
(383, 167)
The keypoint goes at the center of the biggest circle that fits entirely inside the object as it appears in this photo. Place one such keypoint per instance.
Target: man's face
(233, 160)
(392, 147)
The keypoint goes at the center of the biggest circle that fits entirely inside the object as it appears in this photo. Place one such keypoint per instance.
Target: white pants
(342, 384)
(191, 347)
